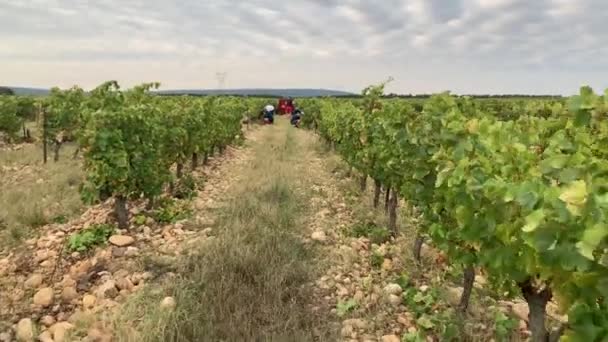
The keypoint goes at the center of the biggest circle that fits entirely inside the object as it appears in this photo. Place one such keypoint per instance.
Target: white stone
(44, 297)
(34, 281)
(393, 289)
(25, 330)
(168, 303)
(121, 240)
(319, 236)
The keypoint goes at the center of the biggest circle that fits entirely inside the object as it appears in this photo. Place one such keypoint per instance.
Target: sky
(466, 46)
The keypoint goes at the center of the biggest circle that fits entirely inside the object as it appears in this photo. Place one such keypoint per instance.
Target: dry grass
(34, 194)
(250, 283)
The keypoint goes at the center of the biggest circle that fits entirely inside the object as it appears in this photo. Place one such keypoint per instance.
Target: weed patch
(90, 237)
(376, 260)
(374, 233)
(170, 211)
(185, 188)
(343, 308)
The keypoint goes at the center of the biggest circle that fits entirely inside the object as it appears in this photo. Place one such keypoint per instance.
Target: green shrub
(343, 308)
(185, 187)
(10, 122)
(376, 260)
(93, 236)
(60, 219)
(375, 234)
(139, 220)
(170, 211)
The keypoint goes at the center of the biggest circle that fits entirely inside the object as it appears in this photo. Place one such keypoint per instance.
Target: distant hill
(258, 92)
(234, 92)
(29, 91)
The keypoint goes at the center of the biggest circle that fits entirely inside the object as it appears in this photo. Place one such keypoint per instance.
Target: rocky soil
(46, 292)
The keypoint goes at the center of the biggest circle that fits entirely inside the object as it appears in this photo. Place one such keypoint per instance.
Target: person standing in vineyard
(269, 114)
(296, 116)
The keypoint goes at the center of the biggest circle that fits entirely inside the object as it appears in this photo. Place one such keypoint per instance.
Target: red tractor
(285, 106)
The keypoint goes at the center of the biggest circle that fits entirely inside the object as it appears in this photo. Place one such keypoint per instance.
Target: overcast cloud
(467, 46)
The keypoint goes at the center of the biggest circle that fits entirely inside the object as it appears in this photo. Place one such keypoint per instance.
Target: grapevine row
(131, 140)
(522, 196)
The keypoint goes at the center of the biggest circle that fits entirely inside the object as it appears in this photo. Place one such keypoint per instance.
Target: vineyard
(511, 191)
(130, 140)
(519, 195)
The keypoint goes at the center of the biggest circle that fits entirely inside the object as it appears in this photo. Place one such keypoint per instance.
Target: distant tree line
(481, 96)
(6, 91)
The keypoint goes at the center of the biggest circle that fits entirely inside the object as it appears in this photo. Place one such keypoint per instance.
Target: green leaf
(425, 322)
(533, 220)
(575, 196)
(343, 308)
(419, 297)
(592, 237)
(526, 196)
(554, 163)
(582, 118)
(441, 176)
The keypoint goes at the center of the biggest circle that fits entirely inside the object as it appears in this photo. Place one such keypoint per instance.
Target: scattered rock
(42, 255)
(394, 300)
(68, 281)
(81, 269)
(453, 295)
(48, 263)
(342, 291)
(59, 331)
(387, 265)
(132, 251)
(521, 310)
(121, 240)
(96, 335)
(34, 281)
(347, 330)
(69, 294)
(358, 245)
(45, 336)
(118, 252)
(393, 289)
(107, 290)
(47, 320)
(62, 316)
(124, 284)
(523, 325)
(481, 280)
(319, 236)
(17, 295)
(403, 320)
(25, 330)
(423, 288)
(168, 303)
(122, 273)
(5, 337)
(390, 338)
(88, 301)
(356, 323)
(44, 297)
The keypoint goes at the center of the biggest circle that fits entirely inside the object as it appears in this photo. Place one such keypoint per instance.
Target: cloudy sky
(467, 46)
